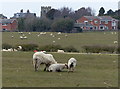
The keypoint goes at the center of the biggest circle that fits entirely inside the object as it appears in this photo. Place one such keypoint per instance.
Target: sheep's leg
(46, 67)
(37, 64)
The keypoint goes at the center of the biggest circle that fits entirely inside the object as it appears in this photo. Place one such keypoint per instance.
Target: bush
(118, 49)
(50, 48)
(99, 48)
(6, 46)
(28, 47)
(54, 48)
(70, 49)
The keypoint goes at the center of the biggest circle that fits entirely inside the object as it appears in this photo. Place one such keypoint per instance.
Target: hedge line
(101, 49)
(48, 48)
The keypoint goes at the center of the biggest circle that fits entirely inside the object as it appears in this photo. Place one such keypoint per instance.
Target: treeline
(56, 20)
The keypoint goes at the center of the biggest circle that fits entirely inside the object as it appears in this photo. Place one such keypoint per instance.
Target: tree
(101, 11)
(83, 12)
(110, 12)
(21, 24)
(62, 25)
(50, 14)
(41, 25)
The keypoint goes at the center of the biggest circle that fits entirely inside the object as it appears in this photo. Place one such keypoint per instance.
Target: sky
(9, 7)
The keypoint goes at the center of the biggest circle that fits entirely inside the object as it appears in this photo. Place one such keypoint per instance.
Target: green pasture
(76, 40)
(98, 70)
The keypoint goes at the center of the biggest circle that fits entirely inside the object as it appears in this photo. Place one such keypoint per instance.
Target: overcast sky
(9, 7)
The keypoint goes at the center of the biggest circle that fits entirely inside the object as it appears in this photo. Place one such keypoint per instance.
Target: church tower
(44, 10)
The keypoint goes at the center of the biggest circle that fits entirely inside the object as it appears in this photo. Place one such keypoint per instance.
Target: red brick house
(8, 24)
(97, 23)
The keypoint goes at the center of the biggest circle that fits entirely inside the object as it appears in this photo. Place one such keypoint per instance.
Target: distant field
(72, 39)
(91, 71)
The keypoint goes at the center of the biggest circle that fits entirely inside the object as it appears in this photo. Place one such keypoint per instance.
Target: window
(4, 24)
(86, 22)
(101, 27)
(91, 28)
(106, 22)
(113, 23)
(106, 27)
(96, 28)
(96, 22)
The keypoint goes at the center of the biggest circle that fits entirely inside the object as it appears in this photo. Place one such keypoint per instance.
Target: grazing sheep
(71, 64)
(21, 37)
(42, 58)
(59, 33)
(60, 51)
(115, 42)
(57, 67)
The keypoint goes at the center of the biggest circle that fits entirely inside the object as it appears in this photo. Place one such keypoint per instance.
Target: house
(23, 15)
(97, 23)
(8, 24)
(2, 16)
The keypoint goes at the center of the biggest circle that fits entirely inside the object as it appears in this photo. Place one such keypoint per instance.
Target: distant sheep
(42, 58)
(60, 51)
(19, 47)
(57, 67)
(71, 64)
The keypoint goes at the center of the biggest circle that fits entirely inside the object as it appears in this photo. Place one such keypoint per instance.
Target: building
(2, 16)
(44, 10)
(23, 15)
(97, 23)
(8, 24)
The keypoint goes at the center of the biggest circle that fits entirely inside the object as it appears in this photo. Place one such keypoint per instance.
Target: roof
(19, 15)
(6, 21)
(100, 18)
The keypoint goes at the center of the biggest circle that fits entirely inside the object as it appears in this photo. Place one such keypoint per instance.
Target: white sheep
(60, 51)
(71, 64)
(42, 58)
(57, 67)
(19, 47)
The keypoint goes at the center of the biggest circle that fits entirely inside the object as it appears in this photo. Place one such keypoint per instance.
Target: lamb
(57, 67)
(71, 64)
(42, 58)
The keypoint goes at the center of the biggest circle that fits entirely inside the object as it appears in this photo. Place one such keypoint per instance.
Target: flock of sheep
(51, 64)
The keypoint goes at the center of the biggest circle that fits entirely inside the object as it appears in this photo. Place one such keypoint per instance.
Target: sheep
(60, 51)
(71, 64)
(21, 37)
(42, 58)
(115, 42)
(7, 50)
(59, 33)
(53, 41)
(25, 37)
(58, 38)
(57, 67)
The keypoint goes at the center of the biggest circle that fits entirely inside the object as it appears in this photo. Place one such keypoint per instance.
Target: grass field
(91, 71)
(73, 39)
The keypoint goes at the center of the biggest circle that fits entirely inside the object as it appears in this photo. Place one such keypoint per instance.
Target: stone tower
(44, 10)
